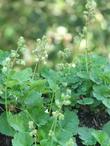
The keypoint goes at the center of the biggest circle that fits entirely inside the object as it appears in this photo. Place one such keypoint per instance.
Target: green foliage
(102, 138)
(42, 104)
(86, 135)
(5, 126)
(22, 139)
(23, 75)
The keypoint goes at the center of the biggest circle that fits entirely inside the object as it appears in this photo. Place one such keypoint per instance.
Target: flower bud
(31, 124)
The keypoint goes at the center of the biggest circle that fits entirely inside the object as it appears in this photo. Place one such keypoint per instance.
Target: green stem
(35, 69)
(6, 107)
(86, 38)
(35, 139)
(53, 128)
(87, 52)
(26, 111)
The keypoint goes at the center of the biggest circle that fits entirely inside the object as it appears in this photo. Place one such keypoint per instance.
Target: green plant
(38, 103)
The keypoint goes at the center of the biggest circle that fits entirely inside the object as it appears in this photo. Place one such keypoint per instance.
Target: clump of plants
(40, 106)
(52, 106)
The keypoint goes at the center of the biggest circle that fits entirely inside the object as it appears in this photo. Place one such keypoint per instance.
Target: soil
(5, 140)
(91, 119)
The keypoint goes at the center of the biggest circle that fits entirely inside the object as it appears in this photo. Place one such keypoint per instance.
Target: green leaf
(33, 99)
(69, 127)
(85, 101)
(83, 75)
(23, 75)
(102, 138)
(70, 122)
(22, 139)
(101, 92)
(19, 121)
(3, 55)
(95, 76)
(106, 102)
(46, 142)
(106, 128)
(86, 136)
(108, 111)
(39, 85)
(52, 78)
(5, 128)
(39, 115)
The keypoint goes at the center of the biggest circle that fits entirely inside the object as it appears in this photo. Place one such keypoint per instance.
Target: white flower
(40, 52)
(4, 69)
(8, 59)
(66, 102)
(51, 133)
(55, 114)
(33, 132)
(31, 124)
(58, 103)
(37, 59)
(1, 92)
(13, 53)
(46, 111)
(23, 62)
(61, 116)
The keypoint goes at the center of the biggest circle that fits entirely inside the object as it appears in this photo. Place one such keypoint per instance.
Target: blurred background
(61, 21)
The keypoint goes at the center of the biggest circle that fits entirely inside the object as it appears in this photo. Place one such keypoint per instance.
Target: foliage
(39, 101)
(33, 19)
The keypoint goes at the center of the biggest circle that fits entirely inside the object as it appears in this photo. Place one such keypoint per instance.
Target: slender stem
(6, 107)
(26, 111)
(35, 139)
(35, 69)
(86, 38)
(53, 128)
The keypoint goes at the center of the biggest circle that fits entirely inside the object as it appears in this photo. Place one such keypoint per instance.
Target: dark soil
(91, 119)
(5, 140)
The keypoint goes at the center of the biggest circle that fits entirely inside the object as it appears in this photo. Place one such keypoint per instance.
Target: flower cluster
(65, 54)
(33, 130)
(40, 51)
(65, 99)
(89, 14)
(58, 115)
(13, 58)
(6, 65)
(21, 44)
(51, 133)
(62, 66)
(70, 142)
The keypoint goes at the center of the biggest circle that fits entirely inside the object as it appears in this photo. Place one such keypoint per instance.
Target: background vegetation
(61, 20)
